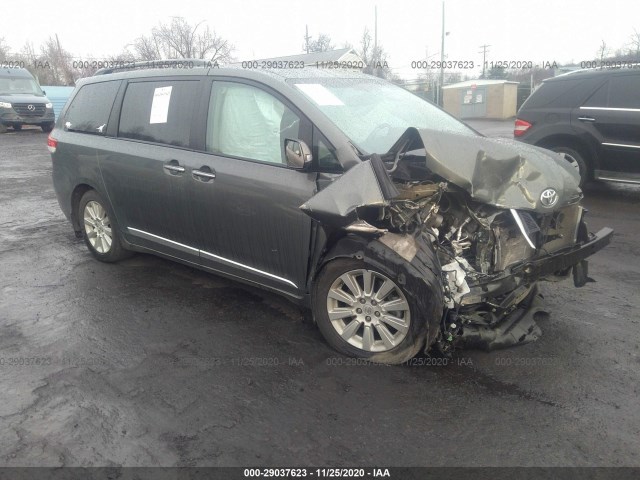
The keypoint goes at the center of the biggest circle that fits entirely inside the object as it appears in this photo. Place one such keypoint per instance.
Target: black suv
(22, 101)
(593, 117)
(400, 227)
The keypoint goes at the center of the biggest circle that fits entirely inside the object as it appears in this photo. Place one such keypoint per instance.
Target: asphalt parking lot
(148, 362)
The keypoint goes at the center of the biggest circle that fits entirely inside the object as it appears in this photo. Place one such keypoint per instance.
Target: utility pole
(375, 30)
(306, 38)
(441, 83)
(63, 64)
(484, 57)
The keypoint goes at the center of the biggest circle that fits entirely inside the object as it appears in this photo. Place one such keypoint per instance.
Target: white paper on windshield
(160, 105)
(319, 94)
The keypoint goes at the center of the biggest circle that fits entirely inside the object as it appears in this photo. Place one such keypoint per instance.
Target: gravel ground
(148, 362)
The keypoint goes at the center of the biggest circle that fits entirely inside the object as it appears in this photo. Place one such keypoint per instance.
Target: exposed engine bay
(493, 229)
(477, 244)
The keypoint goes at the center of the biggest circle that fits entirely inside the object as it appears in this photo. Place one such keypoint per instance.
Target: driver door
(247, 203)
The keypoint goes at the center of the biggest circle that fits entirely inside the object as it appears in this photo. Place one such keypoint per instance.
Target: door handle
(204, 175)
(587, 119)
(174, 168)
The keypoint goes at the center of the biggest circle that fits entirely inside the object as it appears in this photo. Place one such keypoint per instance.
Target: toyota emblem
(549, 198)
(31, 108)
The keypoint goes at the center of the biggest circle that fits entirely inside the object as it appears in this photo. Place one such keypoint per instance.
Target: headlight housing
(5, 105)
(49, 105)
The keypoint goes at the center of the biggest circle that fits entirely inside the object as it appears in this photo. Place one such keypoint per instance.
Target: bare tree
(58, 60)
(4, 50)
(51, 65)
(635, 44)
(374, 57)
(321, 44)
(497, 73)
(147, 48)
(179, 39)
(603, 51)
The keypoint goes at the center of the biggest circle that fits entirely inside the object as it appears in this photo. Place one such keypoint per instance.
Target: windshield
(373, 113)
(13, 85)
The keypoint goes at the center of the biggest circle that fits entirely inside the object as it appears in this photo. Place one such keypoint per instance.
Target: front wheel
(364, 313)
(17, 127)
(46, 127)
(99, 229)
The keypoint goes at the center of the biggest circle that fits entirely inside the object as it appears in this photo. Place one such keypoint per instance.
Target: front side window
(247, 122)
(327, 159)
(159, 112)
(90, 109)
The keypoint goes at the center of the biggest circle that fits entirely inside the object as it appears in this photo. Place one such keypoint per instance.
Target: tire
(346, 330)
(583, 166)
(47, 127)
(99, 228)
(17, 127)
(3, 128)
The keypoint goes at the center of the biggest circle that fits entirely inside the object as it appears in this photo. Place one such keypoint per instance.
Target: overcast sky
(532, 30)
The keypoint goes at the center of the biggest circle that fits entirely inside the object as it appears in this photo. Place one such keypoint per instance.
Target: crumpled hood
(501, 172)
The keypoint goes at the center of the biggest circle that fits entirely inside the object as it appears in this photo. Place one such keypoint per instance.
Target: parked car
(22, 101)
(399, 227)
(592, 117)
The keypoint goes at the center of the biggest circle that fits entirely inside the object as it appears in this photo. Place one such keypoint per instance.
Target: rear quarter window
(625, 91)
(90, 109)
(562, 93)
(159, 111)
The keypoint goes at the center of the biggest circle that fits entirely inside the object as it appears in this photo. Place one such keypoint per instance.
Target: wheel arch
(418, 271)
(76, 196)
(588, 152)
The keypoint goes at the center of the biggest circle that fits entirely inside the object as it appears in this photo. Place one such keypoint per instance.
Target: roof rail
(120, 66)
(609, 66)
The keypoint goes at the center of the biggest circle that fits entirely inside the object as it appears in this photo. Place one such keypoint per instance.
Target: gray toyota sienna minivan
(400, 228)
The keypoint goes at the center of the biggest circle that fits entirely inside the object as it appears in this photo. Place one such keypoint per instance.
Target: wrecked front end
(497, 219)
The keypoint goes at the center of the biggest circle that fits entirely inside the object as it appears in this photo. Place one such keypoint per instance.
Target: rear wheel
(576, 158)
(365, 313)
(99, 229)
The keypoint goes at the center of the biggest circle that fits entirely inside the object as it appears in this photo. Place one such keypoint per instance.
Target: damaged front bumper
(563, 260)
(511, 300)
(557, 264)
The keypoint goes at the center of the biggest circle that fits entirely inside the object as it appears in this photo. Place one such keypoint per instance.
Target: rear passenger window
(561, 93)
(89, 111)
(625, 91)
(599, 97)
(159, 112)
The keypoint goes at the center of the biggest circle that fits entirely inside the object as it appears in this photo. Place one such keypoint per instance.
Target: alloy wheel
(368, 310)
(98, 227)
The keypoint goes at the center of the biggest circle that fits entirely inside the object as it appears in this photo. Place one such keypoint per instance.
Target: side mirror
(44, 93)
(298, 153)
